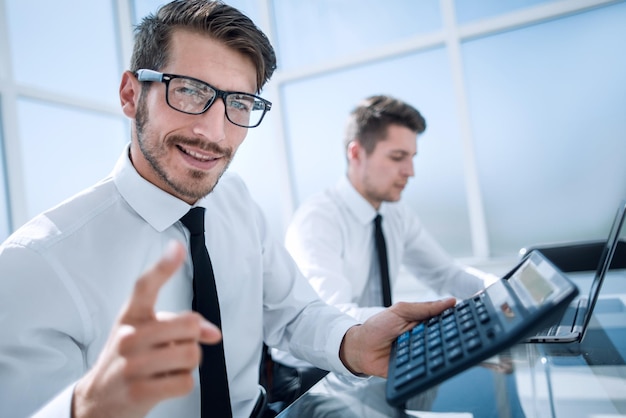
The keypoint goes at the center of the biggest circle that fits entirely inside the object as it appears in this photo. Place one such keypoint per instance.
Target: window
(524, 103)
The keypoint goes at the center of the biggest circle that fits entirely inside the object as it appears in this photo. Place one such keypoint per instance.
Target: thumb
(140, 306)
(414, 312)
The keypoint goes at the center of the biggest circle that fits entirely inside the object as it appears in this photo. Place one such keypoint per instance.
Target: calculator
(530, 297)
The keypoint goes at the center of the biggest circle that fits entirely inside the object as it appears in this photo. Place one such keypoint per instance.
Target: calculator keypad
(446, 338)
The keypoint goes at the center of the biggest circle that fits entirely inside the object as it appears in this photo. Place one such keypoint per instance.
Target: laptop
(572, 327)
(530, 297)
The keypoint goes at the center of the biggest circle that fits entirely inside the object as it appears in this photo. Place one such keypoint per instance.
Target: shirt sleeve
(431, 264)
(316, 239)
(295, 319)
(60, 406)
(40, 354)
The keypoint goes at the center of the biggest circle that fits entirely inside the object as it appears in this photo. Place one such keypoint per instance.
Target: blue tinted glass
(66, 47)
(310, 32)
(317, 112)
(65, 151)
(142, 8)
(250, 8)
(467, 10)
(547, 107)
(4, 202)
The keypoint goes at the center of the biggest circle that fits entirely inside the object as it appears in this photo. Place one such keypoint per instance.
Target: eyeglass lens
(192, 96)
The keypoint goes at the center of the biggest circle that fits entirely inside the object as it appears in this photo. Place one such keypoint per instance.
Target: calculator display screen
(534, 281)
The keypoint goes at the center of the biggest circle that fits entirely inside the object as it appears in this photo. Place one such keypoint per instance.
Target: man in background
(332, 236)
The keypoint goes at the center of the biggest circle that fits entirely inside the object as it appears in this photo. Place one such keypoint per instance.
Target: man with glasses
(85, 287)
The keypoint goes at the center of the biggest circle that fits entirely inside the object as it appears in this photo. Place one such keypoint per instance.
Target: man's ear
(354, 150)
(130, 89)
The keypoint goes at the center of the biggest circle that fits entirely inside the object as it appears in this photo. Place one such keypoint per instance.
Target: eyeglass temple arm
(149, 75)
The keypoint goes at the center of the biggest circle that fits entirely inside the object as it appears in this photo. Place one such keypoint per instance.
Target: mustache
(203, 145)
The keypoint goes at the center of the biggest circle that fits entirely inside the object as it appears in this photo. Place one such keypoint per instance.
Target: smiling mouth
(197, 155)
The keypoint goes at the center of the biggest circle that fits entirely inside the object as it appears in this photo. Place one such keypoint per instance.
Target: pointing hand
(149, 356)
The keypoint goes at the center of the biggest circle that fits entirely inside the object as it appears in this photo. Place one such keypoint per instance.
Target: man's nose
(212, 123)
(407, 169)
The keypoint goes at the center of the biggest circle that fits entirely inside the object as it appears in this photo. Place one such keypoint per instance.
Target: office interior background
(525, 102)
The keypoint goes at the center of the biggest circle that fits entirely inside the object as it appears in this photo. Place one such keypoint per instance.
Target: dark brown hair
(368, 121)
(214, 18)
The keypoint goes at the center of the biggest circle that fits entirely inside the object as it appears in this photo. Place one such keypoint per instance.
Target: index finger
(140, 306)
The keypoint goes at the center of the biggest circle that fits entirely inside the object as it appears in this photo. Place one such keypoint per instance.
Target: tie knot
(378, 220)
(194, 221)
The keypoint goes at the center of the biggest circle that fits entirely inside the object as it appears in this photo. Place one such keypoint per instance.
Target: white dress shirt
(331, 237)
(65, 275)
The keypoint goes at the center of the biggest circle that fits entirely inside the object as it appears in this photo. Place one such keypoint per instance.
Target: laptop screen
(604, 263)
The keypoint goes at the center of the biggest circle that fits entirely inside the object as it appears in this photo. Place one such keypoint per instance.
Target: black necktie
(381, 249)
(213, 381)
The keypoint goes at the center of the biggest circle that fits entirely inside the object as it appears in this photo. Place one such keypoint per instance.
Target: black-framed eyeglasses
(194, 97)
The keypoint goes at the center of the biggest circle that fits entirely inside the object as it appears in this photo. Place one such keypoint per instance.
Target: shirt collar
(356, 203)
(157, 207)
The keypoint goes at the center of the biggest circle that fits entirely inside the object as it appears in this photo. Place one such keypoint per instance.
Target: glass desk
(585, 379)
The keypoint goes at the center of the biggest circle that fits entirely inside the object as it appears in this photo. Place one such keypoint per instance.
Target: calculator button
(435, 352)
(466, 317)
(453, 333)
(473, 344)
(418, 361)
(455, 354)
(470, 333)
(415, 331)
(404, 369)
(402, 351)
(407, 377)
(418, 350)
(436, 362)
(484, 317)
(402, 359)
(467, 327)
(434, 342)
(449, 326)
(453, 343)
